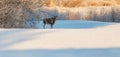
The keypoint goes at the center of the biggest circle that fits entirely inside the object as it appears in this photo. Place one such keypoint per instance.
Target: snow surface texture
(98, 40)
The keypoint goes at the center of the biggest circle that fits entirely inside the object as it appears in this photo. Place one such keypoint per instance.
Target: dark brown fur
(50, 21)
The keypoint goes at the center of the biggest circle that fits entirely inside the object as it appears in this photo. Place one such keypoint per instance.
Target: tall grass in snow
(95, 13)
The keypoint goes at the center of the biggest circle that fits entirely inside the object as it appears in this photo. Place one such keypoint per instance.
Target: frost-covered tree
(18, 13)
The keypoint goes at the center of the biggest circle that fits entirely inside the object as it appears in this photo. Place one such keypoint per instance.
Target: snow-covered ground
(68, 39)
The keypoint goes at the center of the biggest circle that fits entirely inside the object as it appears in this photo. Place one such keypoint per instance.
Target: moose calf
(50, 21)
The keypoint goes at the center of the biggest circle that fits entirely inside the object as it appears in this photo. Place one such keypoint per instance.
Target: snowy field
(68, 39)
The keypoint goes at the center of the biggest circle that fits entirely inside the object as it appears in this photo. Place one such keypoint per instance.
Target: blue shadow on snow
(76, 24)
(100, 52)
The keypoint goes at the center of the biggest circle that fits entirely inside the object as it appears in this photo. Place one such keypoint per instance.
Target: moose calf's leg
(51, 26)
(44, 26)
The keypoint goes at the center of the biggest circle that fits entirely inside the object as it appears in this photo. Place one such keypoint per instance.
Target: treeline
(18, 13)
(105, 14)
(81, 3)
